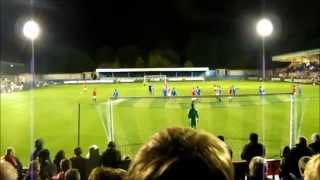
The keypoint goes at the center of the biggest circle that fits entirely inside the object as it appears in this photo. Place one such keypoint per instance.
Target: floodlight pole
(263, 61)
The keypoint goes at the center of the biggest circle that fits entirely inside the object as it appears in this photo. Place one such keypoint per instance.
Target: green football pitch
(52, 113)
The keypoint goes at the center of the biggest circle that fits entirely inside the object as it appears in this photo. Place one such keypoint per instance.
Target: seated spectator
(315, 145)
(72, 174)
(111, 157)
(101, 173)
(7, 171)
(182, 153)
(65, 165)
(47, 168)
(13, 160)
(33, 171)
(257, 168)
(125, 162)
(94, 158)
(291, 162)
(312, 170)
(254, 148)
(58, 157)
(79, 162)
(229, 148)
(38, 144)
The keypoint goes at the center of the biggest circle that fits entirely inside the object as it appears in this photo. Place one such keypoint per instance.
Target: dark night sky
(149, 24)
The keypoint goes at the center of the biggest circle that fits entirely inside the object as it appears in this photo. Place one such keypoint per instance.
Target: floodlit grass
(52, 114)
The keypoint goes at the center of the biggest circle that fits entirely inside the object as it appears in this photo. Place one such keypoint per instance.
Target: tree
(156, 59)
(140, 63)
(116, 63)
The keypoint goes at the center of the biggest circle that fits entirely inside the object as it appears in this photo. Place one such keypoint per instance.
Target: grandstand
(303, 64)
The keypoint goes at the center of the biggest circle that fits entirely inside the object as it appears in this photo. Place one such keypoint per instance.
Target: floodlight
(31, 30)
(264, 27)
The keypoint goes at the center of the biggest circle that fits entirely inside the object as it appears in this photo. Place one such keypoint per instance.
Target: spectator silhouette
(111, 157)
(312, 170)
(65, 165)
(7, 171)
(182, 153)
(284, 172)
(94, 158)
(315, 145)
(47, 168)
(38, 144)
(58, 157)
(79, 162)
(291, 162)
(252, 149)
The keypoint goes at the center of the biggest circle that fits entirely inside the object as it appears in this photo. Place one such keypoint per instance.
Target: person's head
(65, 165)
(72, 174)
(302, 141)
(10, 151)
(44, 155)
(285, 151)
(77, 151)
(312, 170)
(60, 155)
(177, 153)
(100, 173)
(192, 105)
(302, 164)
(315, 137)
(93, 151)
(111, 145)
(257, 167)
(7, 171)
(38, 143)
(253, 137)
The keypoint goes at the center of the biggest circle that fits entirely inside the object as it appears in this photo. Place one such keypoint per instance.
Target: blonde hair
(171, 152)
(7, 171)
(312, 171)
(257, 166)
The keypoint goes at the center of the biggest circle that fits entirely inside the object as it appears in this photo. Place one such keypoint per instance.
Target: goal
(154, 78)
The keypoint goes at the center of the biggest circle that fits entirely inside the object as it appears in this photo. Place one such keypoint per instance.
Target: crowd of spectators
(301, 70)
(173, 153)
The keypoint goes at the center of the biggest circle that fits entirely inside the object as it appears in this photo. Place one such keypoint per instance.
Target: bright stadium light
(31, 30)
(264, 27)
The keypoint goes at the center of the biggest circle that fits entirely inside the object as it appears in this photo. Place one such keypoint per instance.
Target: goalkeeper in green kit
(193, 116)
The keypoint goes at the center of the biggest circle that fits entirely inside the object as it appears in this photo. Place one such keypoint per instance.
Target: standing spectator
(79, 162)
(58, 157)
(94, 158)
(111, 157)
(254, 148)
(38, 144)
(13, 160)
(315, 145)
(65, 165)
(33, 171)
(182, 153)
(72, 174)
(7, 171)
(47, 168)
(291, 163)
(312, 171)
(284, 173)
